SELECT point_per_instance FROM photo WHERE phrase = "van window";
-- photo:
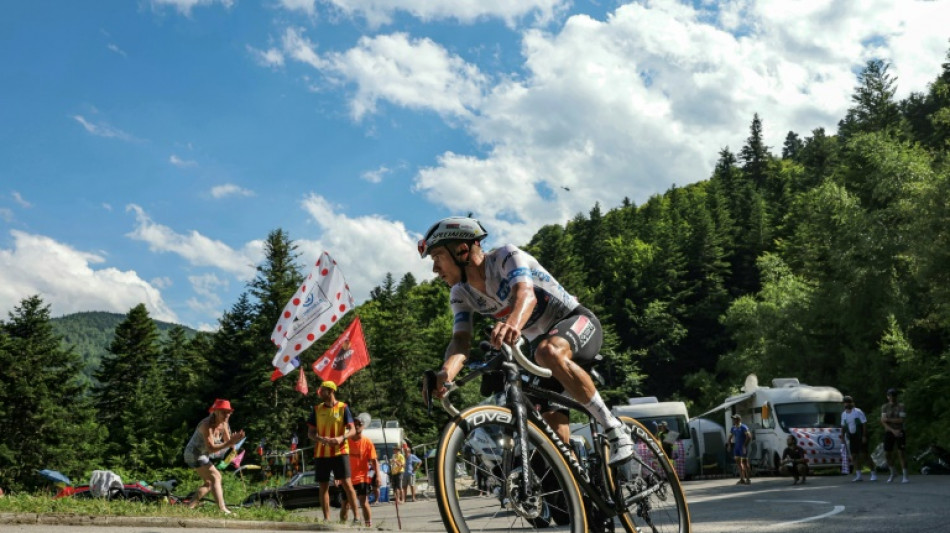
(675, 423)
(809, 414)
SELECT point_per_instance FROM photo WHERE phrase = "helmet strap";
(458, 261)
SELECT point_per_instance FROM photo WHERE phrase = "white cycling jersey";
(505, 267)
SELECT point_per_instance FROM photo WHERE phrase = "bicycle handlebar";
(518, 354)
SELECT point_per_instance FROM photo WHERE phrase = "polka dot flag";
(322, 299)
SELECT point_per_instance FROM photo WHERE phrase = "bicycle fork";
(515, 400)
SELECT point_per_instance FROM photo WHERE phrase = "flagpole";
(386, 446)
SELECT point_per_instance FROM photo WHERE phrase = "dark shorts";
(890, 441)
(363, 489)
(583, 332)
(323, 466)
(855, 446)
(407, 480)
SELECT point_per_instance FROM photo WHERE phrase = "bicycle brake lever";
(428, 387)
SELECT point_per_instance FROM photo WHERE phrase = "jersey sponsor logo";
(583, 328)
(462, 316)
(541, 275)
(504, 289)
(520, 272)
(507, 257)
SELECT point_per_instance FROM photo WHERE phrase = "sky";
(147, 148)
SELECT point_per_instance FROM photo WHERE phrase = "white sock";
(598, 409)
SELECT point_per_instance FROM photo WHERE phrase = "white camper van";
(650, 412)
(812, 414)
(384, 438)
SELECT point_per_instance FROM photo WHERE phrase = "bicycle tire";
(463, 511)
(663, 508)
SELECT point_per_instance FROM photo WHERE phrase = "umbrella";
(55, 476)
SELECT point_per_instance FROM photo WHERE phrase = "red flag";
(347, 355)
(302, 383)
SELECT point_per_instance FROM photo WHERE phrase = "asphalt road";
(830, 504)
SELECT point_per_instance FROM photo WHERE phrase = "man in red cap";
(330, 425)
(211, 439)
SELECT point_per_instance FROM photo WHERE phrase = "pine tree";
(755, 155)
(46, 418)
(793, 146)
(132, 397)
(875, 109)
(278, 410)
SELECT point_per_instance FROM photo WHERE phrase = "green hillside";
(89, 334)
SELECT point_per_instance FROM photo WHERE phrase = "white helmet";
(451, 229)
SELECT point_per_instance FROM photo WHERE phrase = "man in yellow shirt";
(330, 425)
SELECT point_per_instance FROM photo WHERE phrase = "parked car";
(301, 491)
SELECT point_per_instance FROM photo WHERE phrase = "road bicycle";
(562, 488)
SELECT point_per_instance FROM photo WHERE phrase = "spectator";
(895, 439)
(793, 460)
(409, 476)
(662, 435)
(211, 439)
(331, 425)
(739, 439)
(398, 467)
(383, 473)
(362, 459)
(854, 429)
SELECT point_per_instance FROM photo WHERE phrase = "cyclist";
(510, 285)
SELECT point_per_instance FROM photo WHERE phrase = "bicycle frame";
(517, 394)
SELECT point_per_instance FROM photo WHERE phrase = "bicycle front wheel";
(477, 492)
(649, 486)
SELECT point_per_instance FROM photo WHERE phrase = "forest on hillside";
(90, 333)
(827, 259)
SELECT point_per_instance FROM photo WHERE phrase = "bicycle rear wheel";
(480, 439)
(650, 487)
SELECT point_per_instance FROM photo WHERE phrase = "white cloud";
(181, 163)
(195, 248)
(103, 130)
(357, 244)
(306, 6)
(18, 198)
(375, 176)
(630, 105)
(413, 73)
(116, 49)
(229, 189)
(207, 286)
(66, 280)
(272, 57)
(6, 214)
(379, 12)
(162, 282)
(185, 6)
